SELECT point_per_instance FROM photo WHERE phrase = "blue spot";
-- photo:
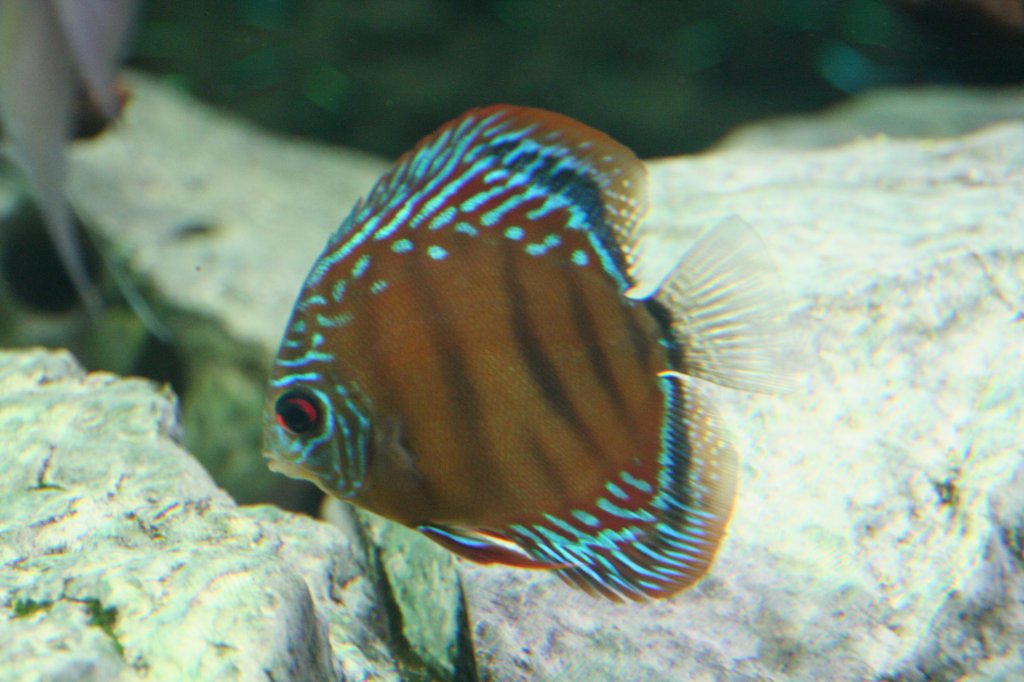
(402, 246)
(310, 356)
(551, 203)
(588, 519)
(378, 286)
(331, 321)
(639, 484)
(480, 198)
(495, 175)
(311, 301)
(324, 266)
(443, 218)
(437, 252)
(632, 514)
(494, 216)
(289, 379)
(514, 233)
(466, 228)
(616, 491)
(540, 248)
(360, 267)
(580, 257)
(338, 290)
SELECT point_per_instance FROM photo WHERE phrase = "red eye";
(298, 412)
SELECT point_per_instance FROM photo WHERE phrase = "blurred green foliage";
(665, 77)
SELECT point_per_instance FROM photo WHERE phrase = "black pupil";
(297, 412)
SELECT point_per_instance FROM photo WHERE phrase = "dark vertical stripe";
(468, 435)
(586, 329)
(382, 381)
(639, 338)
(378, 373)
(542, 371)
(663, 317)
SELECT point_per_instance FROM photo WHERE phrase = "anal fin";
(654, 533)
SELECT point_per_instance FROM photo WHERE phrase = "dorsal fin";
(557, 156)
(618, 173)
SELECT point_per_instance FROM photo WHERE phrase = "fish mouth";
(291, 469)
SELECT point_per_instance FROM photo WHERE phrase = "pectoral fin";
(728, 309)
(482, 546)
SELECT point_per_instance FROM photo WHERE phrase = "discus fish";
(472, 356)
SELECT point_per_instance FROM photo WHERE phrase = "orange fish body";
(471, 356)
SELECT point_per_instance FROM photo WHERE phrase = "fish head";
(317, 425)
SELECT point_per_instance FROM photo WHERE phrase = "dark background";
(664, 77)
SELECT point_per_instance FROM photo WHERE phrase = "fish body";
(472, 356)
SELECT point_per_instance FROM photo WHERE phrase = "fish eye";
(298, 412)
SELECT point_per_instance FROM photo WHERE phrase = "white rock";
(120, 559)
(877, 532)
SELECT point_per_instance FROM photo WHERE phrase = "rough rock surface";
(878, 527)
(120, 558)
